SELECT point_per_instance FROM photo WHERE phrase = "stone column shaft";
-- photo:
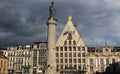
(51, 56)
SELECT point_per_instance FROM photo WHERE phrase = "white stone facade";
(19, 58)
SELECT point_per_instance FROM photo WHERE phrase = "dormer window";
(43, 46)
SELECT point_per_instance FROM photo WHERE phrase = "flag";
(65, 33)
(74, 32)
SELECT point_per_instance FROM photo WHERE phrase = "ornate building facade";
(38, 57)
(19, 59)
(3, 63)
(98, 60)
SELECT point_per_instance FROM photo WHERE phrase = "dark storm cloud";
(24, 21)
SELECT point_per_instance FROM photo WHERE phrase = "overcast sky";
(24, 21)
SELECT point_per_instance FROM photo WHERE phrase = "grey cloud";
(24, 21)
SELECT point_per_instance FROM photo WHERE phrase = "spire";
(106, 43)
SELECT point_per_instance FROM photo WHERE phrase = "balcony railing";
(18, 63)
(26, 66)
(23, 55)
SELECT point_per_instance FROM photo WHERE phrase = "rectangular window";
(70, 60)
(70, 48)
(74, 48)
(83, 48)
(57, 66)
(70, 66)
(57, 55)
(79, 66)
(83, 54)
(113, 60)
(79, 60)
(65, 54)
(65, 48)
(34, 64)
(84, 67)
(74, 54)
(102, 69)
(91, 68)
(57, 49)
(34, 70)
(91, 61)
(35, 55)
(75, 66)
(57, 60)
(61, 66)
(74, 60)
(70, 42)
(66, 66)
(61, 54)
(65, 60)
(61, 60)
(78, 48)
(83, 60)
(61, 48)
(101, 61)
(107, 61)
(78, 54)
(70, 54)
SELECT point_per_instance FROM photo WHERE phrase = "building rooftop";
(39, 42)
(2, 55)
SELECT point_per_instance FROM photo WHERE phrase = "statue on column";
(52, 11)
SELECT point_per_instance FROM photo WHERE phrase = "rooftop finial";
(69, 18)
(106, 44)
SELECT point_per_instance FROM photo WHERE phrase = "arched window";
(74, 43)
(65, 43)
(69, 36)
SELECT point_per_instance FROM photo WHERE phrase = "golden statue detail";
(69, 18)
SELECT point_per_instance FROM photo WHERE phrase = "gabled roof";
(70, 33)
